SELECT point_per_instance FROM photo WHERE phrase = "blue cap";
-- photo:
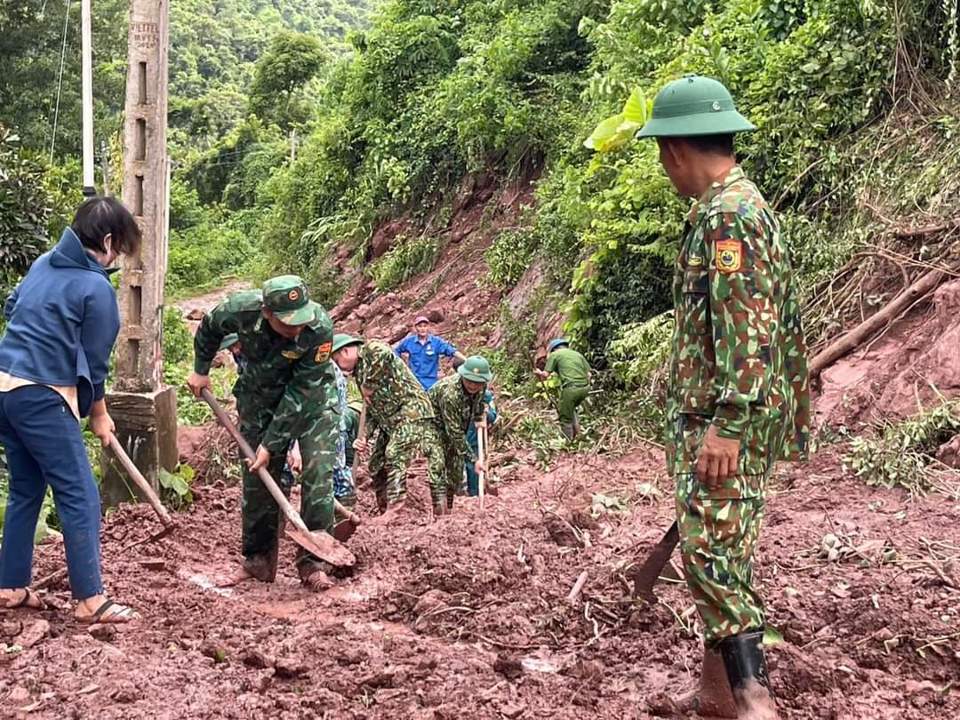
(557, 342)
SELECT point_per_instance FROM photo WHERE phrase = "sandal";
(121, 614)
(30, 600)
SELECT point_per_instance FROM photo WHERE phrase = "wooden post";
(143, 409)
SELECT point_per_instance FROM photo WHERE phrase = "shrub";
(408, 257)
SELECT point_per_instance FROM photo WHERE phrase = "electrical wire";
(63, 55)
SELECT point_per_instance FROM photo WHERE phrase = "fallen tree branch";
(863, 332)
(577, 588)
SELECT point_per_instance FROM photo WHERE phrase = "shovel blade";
(645, 577)
(323, 546)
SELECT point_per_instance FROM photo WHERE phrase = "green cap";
(342, 340)
(475, 368)
(692, 106)
(228, 341)
(288, 298)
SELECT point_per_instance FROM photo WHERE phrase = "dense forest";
(297, 127)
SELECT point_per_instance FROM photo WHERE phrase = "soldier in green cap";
(738, 399)
(574, 372)
(399, 412)
(458, 401)
(286, 392)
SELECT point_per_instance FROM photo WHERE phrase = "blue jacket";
(62, 322)
(425, 357)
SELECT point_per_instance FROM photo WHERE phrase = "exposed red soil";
(462, 307)
(468, 617)
(915, 363)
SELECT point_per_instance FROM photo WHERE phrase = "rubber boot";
(715, 698)
(747, 672)
(568, 431)
(315, 574)
(439, 507)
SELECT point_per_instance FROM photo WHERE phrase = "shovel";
(482, 456)
(141, 482)
(645, 577)
(320, 544)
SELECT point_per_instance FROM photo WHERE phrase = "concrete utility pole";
(144, 410)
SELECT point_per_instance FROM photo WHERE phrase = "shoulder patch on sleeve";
(729, 255)
(323, 352)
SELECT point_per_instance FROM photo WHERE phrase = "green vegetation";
(903, 453)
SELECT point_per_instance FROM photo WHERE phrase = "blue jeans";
(45, 447)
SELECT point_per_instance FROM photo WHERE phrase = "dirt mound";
(914, 364)
(470, 617)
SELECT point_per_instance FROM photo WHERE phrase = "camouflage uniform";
(738, 362)
(343, 487)
(455, 409)
(286, 392)
(400, 412)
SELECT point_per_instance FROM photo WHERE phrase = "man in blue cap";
(574, 373)
(422, 351)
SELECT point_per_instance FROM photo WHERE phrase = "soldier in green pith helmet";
(738, 399)
(458, 400)
(287, 392)
(399, 413)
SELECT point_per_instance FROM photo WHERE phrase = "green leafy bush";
(408, 257)
(509, 256)
(641, 350)
(902, 455)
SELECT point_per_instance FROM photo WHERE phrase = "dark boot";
(568, 432)
(747, 672)
(264, 565)
(439, 507)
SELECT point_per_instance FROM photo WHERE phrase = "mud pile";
(469, 617)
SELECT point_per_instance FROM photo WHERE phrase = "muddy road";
(470, 618)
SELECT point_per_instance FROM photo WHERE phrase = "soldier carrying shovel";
(287, 392)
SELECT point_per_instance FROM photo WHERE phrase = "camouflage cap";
(289, 300)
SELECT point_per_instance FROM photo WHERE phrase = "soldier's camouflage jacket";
(739, 355)
(455, 409)
(398, 397)
(286, 383)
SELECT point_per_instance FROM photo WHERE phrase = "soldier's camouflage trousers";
(392, 454)
(453, 462)
(261, 514)
(717, 541)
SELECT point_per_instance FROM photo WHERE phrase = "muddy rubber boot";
(747, 672)
(568, 431)
(264, 565)
(450, 496)
(315, 574)
(439, 508)
(715, 697)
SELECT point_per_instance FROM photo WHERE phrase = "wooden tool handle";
(140, 480)
(482, 457)
(292, 515)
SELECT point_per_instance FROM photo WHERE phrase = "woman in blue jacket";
(62, 322)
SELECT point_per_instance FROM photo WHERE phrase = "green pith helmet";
(228, 340)
(288, 298)
(692, 106)
(475, 368)
(342, 340)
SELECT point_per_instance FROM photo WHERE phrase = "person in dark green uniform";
(287, 392)
(574, 373)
